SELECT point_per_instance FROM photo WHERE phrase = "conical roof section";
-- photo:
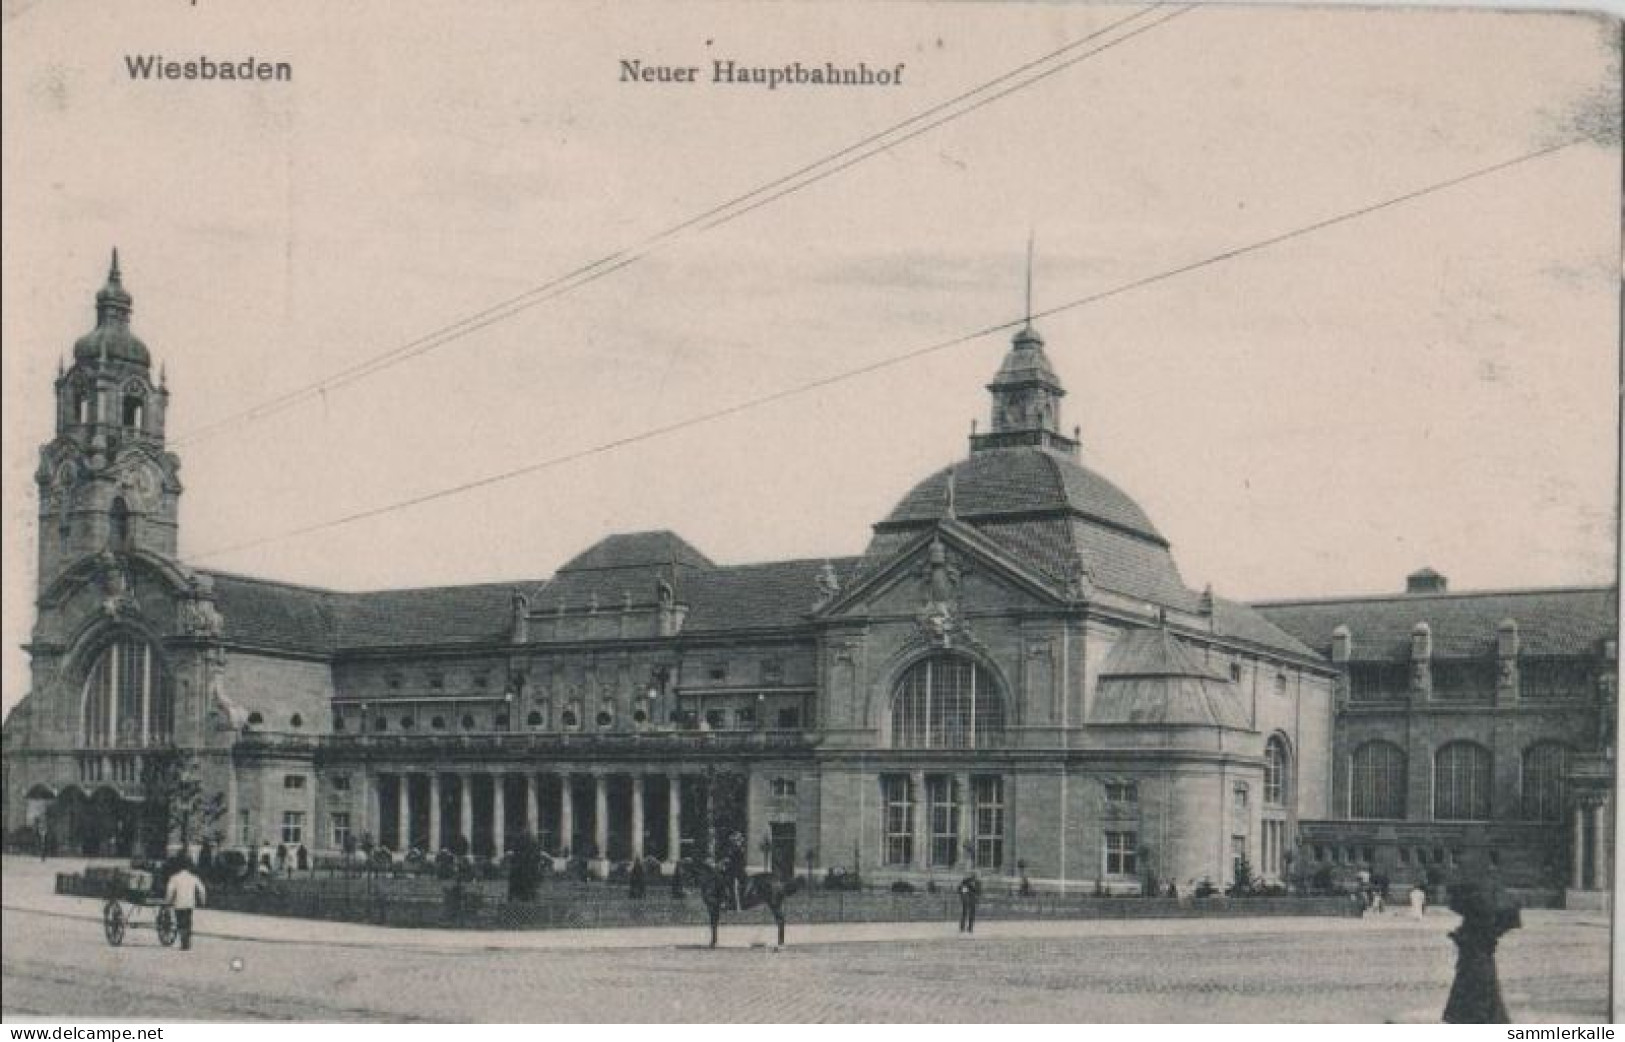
(1152, 679)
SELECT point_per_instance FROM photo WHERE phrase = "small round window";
(438, 723)
(256, 718)
(296, 720)
(640, 717)
(468, 722)
(534, 719)
(604, 719)
(407, 723)
(569, 718)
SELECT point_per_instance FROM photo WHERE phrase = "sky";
(1428, 383)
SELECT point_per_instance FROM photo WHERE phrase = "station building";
(1013, 675)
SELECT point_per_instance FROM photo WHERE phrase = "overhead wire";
(723, 213)
(892, 361)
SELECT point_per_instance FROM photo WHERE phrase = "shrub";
(1321, 881)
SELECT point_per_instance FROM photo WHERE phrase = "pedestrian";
(637, 880)
(970, 888)
(184, 893)
(1419, 900)
(302, 858)
(42, 834)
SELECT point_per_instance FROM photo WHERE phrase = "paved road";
(1251, 970)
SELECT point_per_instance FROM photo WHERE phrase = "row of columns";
(964, 808)
(1590, 820)
(532, 804)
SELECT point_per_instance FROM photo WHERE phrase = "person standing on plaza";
(184, 893)
(970, 888)
(1419, 899)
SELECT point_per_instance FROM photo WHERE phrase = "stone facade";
(1013, 676)
(1474, 727)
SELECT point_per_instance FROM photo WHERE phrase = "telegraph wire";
(718, 215)
(892, 360)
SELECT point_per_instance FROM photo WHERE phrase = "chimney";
(1426, 580)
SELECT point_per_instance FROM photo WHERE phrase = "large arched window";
(1544, 765)
(946, 702)
(1461, 782)
(1276, 772)
(1377, 781)
(127, 699)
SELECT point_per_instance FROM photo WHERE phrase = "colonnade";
(445, 822)
(1590, 822)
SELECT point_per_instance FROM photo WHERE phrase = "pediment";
(950, 566)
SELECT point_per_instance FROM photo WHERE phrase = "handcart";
(133, 904)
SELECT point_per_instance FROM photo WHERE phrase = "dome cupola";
(112, 339)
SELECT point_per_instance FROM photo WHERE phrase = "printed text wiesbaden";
(157, 67)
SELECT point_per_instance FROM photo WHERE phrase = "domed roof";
(1023, 482)
(116, 342)
(112, 337)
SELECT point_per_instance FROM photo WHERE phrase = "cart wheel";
(166, 926)
(113, 923)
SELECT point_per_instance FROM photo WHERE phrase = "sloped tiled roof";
(750, 596)
(282, 616)
(431, 615)
(638, 550)
(1572, 621)
(1016, 481)
(267, 614)
(1150, 678)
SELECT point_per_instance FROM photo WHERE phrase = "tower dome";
(1023, 487)
(112, 339)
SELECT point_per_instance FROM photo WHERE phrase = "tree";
(175, 804)
(1244, 876)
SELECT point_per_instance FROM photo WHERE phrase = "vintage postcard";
(716, 512)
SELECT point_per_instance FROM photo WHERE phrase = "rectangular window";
(942, 797)
(1554, 679)
(341, 830)
(772, 671)
(988, 794)
(897, 798)
(1238, 854)
(784, 786)
(789, 718)
(1379, 682)
(1120, 857)
(1122, 796)
(293, 781)
(293, 826)
(745, 718)
(341, 783)
(244, 834)
(1240, 800)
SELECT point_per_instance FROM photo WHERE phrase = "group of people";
(1373, 895)
(287, 861)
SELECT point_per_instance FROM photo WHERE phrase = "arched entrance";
(103, 824)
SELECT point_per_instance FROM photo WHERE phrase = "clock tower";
(106, 482)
